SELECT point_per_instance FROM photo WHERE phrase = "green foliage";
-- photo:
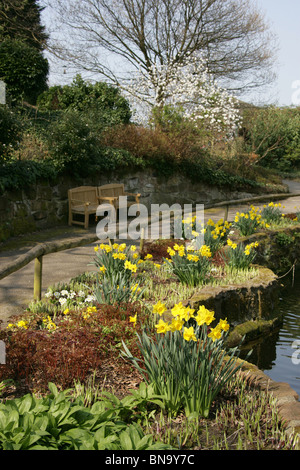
(56, 422)
(99, 99)
(15, 174)
(274, 135)
(74, 142)
(10, 132)
(24, 70)
(20, 20)
(238, 256)
(283, 239)
(191, 268)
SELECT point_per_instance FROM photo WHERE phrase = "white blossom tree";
(187, 87)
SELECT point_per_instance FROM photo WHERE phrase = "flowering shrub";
(185, 359)
(190, 90)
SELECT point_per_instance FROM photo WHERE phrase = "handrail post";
(142, 239)
(37, 289)
(226, 212)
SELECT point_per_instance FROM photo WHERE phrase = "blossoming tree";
(188, 88)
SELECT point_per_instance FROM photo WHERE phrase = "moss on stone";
(252, 330)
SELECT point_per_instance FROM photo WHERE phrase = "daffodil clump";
(189, 226)
(271, 213)
(114, 258)
(216, 233)
(249, 222)
(117, 264)
(182, 316)
(190, 265)
(239, 256)
(185, 359)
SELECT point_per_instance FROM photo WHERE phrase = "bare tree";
(109, 37)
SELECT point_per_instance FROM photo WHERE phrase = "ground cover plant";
(92, 324)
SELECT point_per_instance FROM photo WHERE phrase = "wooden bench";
(111, 192)
(83, 201)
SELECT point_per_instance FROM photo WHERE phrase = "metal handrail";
(42, 249)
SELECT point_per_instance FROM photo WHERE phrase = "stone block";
(44, 192)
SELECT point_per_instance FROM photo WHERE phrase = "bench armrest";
(108, 198)
(136, 195)
(78, 201)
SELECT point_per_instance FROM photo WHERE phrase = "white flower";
(62, 301)
(64, 293)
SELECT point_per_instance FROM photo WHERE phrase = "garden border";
(286, 398)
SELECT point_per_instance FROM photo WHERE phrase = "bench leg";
(86, 221)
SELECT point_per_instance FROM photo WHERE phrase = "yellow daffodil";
(162, 327)
(223, 325)
(215, 333)
(204, 316)
(159, 308)
(133, 319)
(130, 266)
(189, 334)
(176, 324)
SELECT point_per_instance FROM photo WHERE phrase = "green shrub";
(17, 174)
(273, 134)
(74, 142)
(105, 99)
(24, 70)
(10, 132)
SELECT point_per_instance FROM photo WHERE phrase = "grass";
(243, 418)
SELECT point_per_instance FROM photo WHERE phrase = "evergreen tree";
(20, 20)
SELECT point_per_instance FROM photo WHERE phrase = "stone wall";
(46, 204)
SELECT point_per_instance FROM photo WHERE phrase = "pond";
(278, 355)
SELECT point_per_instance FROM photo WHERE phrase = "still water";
(277, 355)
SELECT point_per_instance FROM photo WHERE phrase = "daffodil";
(223, 325)
(133, 319)
(162, 326)
(176, 324)
(215, 333)
(159, 308)
(204, 316)
(189, 334)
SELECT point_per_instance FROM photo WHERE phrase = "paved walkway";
(16, 290)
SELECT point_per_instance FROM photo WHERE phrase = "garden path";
(16, 290)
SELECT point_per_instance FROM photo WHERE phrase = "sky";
(284, 18)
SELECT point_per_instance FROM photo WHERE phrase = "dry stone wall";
(46, 204)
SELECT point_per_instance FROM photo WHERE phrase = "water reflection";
(274, 354)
